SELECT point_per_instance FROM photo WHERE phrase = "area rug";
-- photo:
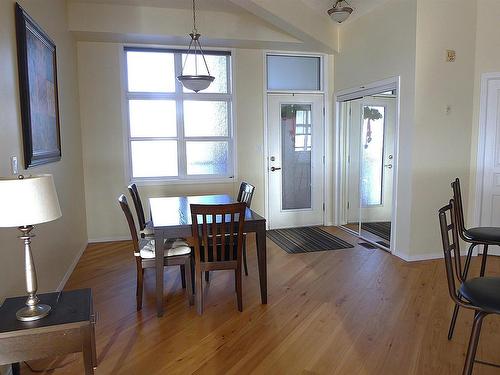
(380, 228)
(306, 240)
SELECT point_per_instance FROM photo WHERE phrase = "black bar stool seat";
(483, 292)
(483, 235)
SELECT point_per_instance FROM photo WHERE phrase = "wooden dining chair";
(145, 226)
(176, 253)
(218, 238)
(481, 294)
(475, 236)
(245, 195)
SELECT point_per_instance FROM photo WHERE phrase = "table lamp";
(24, 202)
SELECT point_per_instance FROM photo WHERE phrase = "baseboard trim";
(420, 257)
(109, 239)
(71, 268)
(429, 256)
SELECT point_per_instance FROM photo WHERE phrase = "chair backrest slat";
(231, 233)
(130, 220)
(457, 198)
(245, 193)
(214, 230)
(134, 193)
(213, 218)
(223, 237)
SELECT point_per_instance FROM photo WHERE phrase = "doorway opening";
(367, 163)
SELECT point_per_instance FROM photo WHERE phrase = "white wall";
(441, 140)
(103, 126)
(57, 244)
(374, 47)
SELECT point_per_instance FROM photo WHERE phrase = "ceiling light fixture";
(338, 12)
(196, 82)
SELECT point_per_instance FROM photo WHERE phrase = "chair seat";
(171, 249)
(486, 234)
(483, 292)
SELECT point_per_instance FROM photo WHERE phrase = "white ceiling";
(321, 6)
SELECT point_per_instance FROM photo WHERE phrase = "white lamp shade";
(28, 201)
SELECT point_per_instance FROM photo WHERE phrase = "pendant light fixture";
(196, 82)
(339, 13)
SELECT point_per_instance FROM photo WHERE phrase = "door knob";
(388, 166)
(275, 169)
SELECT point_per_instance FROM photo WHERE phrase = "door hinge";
(324, 111)
(323, 206)
(323, 159)
(348, 205)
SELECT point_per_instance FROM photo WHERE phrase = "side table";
(69, 328)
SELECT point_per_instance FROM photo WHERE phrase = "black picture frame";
(37, 65)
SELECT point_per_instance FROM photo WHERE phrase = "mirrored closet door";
(367, 169)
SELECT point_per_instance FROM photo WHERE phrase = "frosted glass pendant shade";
(196, 82)
(339, 13)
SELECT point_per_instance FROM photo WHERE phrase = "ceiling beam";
(297, 19)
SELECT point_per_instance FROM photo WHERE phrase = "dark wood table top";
(175, 211)
(70, 306)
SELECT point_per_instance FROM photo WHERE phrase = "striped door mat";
(306, 240)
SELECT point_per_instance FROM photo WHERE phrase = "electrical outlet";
(14, 168)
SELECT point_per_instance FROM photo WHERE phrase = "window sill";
(197, 181)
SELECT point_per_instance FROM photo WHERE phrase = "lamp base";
(30, 313)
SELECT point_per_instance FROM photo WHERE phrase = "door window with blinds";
(174, 133)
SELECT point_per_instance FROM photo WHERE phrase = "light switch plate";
(14, 167)
(451, 55)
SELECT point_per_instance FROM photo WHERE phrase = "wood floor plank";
(354, 311)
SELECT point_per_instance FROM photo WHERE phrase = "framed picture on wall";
(36, 54)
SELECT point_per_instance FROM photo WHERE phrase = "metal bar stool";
(475, 236)
(481, 294)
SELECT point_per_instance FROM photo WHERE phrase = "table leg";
(159, 272)
(87, 350)
(260, 235)
(94, 349)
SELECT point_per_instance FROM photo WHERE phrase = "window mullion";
(179, 104)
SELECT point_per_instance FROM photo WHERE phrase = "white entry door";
(295, 164)
(490, 207)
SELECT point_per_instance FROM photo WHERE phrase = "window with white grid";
(174, 133)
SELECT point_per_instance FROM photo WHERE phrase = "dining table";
(171, 217)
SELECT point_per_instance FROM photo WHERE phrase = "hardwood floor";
(354, 311)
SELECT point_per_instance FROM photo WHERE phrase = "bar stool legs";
(474, 340)
(483, 261)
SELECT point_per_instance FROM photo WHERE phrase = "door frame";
(325, 62)
(481, 150)
(372, 88)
